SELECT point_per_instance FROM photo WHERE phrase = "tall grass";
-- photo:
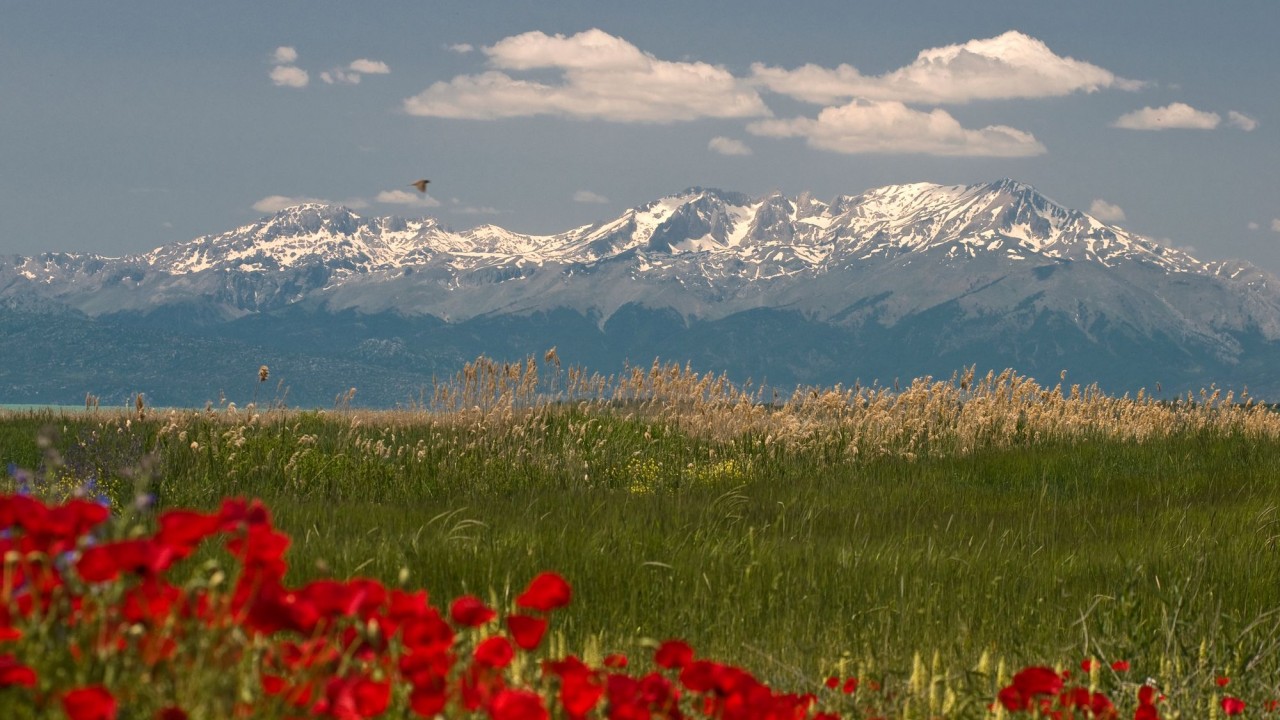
(839, 530)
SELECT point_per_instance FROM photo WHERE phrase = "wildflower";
(470, 611)
(526, 630)
(548, 591)
(93, 702)
(1232, 705)
(1120, 666)
(1029, 684)
(1221, 680)
(495, 652)
(518, 705)
(673, 654)
(13, 673)
(615, 660)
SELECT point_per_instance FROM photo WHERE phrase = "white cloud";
(1012, 65)
(1253, 226)
(462, 48)
(289, 76)
(586, 196)
(1275, 225)
(276, 203)
(1105, 211)
(601, 77)
(1173, 116)
(369, 67)
(404, 197)
(284, 55)
(340, 77)
(1242, 121)
(728, 146)
(892, 127)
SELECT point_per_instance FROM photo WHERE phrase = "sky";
(125, 126)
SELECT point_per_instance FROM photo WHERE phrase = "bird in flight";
(421, 185)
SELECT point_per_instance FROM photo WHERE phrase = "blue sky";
(129, 125)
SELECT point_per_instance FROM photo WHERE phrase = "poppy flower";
(673, 654)
(494, 652)
(850, 686)
(615, 660)
(518, 705)
(1086, 664)
(1222, 680)
(546, 592)
(89, 703)
(1232, 705)
(1120, 665)
(13, 672)
(471, 611)
(1027, 684)
(832, 683)
(526, 630)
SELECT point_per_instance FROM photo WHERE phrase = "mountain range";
(896, 282)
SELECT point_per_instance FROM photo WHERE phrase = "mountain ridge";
(993, 272)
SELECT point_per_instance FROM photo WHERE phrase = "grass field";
(962, 529)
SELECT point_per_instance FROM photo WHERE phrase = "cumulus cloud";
(1012, 65)
(1242, 121)
(586, 196)
(340, 77)
(462, 48)
(351, 74)
(369, 67)
(1172, 116)
(1105, 211)
(892, 127)
(601, 77)
(289, 76)
(276, 203)
(728, 146)
(285, 55)
(404, 197)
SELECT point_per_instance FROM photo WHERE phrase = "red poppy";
(673, 654)
(355, 698)
(850, 686)
(89, 703)
(427, 702)
(1222, 680)
(471, 611)
(615, 660)
(13, 672)
(494, 652)
(1146, 712)
(1120, 665)
(1086, 664)
(1028, 684)
(832, 683)
(526, 630)
(183, 530)
(518, 705)
(1232, 706)
(546, 592)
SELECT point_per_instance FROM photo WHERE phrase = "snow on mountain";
(696, 250)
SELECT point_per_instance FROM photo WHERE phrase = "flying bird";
(421, 185)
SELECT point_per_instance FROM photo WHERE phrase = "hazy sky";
(129, 125)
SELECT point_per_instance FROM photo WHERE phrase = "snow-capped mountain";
(988, 273)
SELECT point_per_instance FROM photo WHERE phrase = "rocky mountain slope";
(895, 282)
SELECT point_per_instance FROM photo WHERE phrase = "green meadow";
(975, 527)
